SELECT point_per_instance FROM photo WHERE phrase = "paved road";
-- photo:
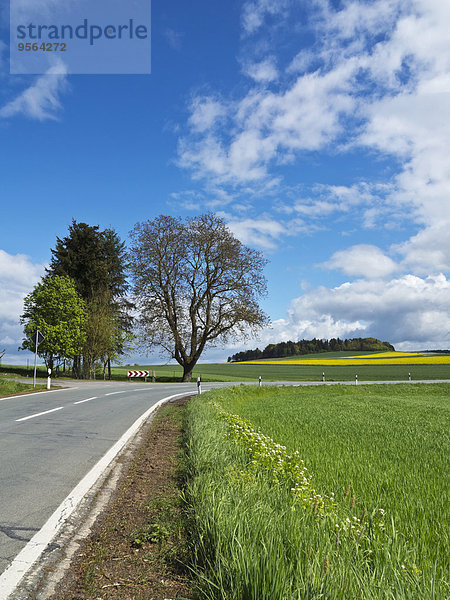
(43, 456)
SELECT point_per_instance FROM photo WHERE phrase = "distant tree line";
(285, 349)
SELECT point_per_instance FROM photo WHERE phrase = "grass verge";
(266, 526)
(9, 388)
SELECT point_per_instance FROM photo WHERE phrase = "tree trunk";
(187, 373)
(109, 369)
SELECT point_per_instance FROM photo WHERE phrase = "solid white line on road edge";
(26, 558)
(39, 414)
(112, 393)
(87, 400)
(25, 395)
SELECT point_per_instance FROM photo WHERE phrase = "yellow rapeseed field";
(397, 358)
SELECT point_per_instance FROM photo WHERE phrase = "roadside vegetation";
(330, 493)
(8, 388)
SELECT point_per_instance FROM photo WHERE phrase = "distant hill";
(284, 349)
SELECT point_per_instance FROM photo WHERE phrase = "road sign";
(138, 373)
(38, 338)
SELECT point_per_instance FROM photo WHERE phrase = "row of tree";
(285, 349)
(193, 285)
(80, 306)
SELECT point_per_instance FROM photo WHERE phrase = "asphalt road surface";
(49, 441)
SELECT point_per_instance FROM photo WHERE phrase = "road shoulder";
(130, 542)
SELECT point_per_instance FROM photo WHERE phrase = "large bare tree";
(195, 285)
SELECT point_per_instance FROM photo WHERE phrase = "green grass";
(8, 388)
(388, 443)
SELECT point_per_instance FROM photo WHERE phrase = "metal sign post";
(37, 339)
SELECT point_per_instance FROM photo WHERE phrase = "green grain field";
(268, 372)
(383, 451)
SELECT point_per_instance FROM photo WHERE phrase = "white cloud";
(255, 12)
(429, 250)
(262, 72)
(262, 232)
(18, 276)
(266, 127)
(206, 112)
(362, 260)
(41, 100)
(381, 84)
(410, 312)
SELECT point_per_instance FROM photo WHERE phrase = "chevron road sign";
(138, 374)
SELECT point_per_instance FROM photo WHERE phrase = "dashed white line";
(87, 400)
(112, 393)
(39, 414)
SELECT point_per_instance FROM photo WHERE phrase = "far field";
(368, 367)
(336, 366)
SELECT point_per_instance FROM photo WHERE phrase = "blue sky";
(320, 130)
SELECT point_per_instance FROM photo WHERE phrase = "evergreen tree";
(96, 261)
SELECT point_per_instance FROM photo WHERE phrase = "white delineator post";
(199, 385)
(260, 381)
(356, 379)
(49, 380)
(323, 375)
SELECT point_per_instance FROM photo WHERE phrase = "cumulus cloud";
(411, 312)
(262, 232)
(18, 276)
(41, 100)
(376, 79)
(362, 260)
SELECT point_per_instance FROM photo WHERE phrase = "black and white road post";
(199, 385)
(49, 378)
(356, 379)
(260, 381)
(323, 375)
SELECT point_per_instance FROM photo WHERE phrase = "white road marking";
(39, 414)
(112, 393)
(23, 562)
(35, 393)
(87, 400)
